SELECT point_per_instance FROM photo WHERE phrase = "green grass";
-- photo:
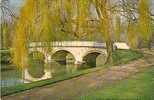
(119, 56)
(138, 87)
(124, 56)
(18, 88)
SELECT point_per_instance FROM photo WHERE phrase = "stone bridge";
(78, 49)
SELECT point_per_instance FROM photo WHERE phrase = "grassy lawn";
(119, 57)
(138, 87)
(124, 56)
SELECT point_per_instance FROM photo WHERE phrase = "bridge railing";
(68, 44)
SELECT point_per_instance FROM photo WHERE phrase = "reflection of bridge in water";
(81, 51)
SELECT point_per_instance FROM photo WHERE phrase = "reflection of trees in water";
(63, 64)
(36, 69)
(70, 66)
(10, 77)
(36, 64)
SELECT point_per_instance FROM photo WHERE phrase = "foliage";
(82, 17)
(4, 34)
(124, 56)
(6, 23)
(105, 17)
(46, 20)
(144, 20)
(27, 29)
(132, 35)
(118, 29)
(20, 42)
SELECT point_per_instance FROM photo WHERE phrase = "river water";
(11, 76)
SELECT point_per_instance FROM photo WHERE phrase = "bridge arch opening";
(63, 57)
(36, 64)
(94, 59)
(62, 62)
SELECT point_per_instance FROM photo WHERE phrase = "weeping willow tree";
(67, 12)
(82, 14)
(4, 35)
(105, 18)
(118, 28)
(34, 24)
(19, 46)
(132, 35)
(6, 23)
(66, 18)
(129, 7)
(144, 21)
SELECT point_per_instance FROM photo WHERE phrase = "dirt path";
(73, 88)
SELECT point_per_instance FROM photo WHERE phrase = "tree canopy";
(49, 20)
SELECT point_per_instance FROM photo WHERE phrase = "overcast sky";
(16, 4)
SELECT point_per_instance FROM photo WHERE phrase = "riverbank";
(119, 57)
(81, 85)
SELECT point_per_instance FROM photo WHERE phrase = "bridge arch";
(62, 56)
(94, 58)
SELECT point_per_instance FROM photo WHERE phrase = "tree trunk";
(149, 44)
(109, 47)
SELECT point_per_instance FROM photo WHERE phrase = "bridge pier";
(78, 64)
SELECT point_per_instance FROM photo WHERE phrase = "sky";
(16, 4)
(152, 6)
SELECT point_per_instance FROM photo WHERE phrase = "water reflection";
(13, 76)
(58, 67)
(10, 77)
(62, 67)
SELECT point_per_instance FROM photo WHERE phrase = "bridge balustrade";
(68, 44)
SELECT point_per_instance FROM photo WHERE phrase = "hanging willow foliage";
(144, 20)
(82, 17)
(20, 51)
(105, 17)
(34, 24)
(45, 22)
(4, 34)
(132, 35)
(118, 29)
(67, 15)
